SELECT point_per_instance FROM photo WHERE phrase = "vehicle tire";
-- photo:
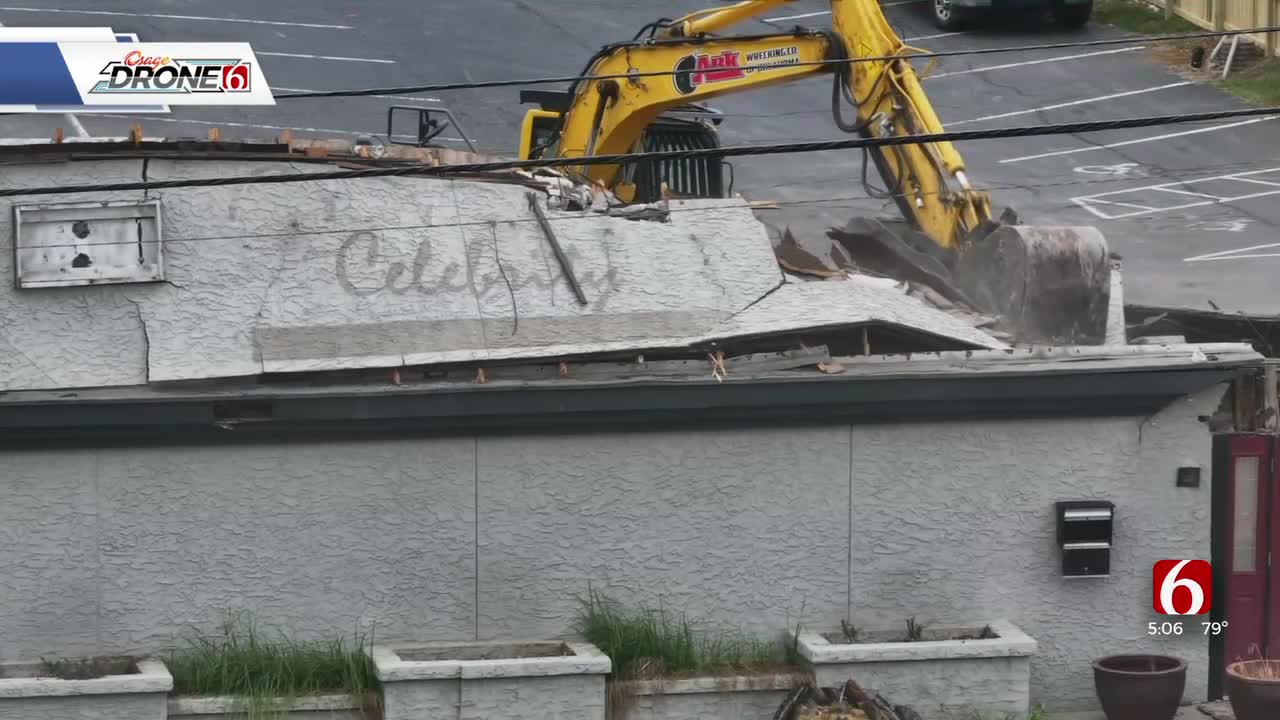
(947, 16)
(1072, 16)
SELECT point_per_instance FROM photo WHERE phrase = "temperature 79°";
(1214, 628)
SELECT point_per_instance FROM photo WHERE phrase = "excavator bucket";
(1043, 285)
(1049, 285)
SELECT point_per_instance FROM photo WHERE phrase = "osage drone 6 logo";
(139, 73)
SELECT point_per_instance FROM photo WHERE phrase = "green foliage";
(1137, 16)
(265, 672)
(652, 643)
(1038, 713)
(1260, 84)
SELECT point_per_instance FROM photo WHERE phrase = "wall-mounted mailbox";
(1084, 536)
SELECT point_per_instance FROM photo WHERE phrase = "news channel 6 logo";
(1182, 587)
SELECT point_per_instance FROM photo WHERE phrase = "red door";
(1252, 528)
(1273, 551)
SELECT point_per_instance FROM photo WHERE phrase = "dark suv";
(952, 14)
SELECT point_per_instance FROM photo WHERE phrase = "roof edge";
(1082, 388)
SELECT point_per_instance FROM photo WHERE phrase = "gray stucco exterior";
(391, 272)
(495, 537)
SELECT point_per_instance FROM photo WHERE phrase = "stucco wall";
(492, 537)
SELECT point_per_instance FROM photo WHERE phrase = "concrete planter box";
(706, 698)
(315, 707)
(935, 677)
(483, 681)
(133, 696)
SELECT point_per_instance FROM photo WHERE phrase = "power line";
(1190, 175)
(625, 159)
(444, 87)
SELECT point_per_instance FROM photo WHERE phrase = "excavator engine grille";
(698, 177)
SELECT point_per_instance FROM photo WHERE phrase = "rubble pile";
(848, 702)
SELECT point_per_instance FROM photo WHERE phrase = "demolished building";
(444, 407)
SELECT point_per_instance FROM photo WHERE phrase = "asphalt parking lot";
(1192, 208)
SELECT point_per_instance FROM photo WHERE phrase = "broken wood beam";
(565, 264)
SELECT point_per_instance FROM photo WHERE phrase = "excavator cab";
(690, 127)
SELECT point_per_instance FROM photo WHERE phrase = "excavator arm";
(1048, 284)
(610, 116)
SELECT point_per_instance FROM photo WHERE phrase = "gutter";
(869, 390)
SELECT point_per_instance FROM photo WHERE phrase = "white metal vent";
(99, 243)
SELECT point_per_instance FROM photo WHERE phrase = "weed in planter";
(260, 672)
(986, 633)
(850, 631)
(791, 655)
(915, 630)
(88, 668)
(650, 643)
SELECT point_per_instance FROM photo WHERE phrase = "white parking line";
(410, 98)
(1088, 202)
(1041, 61)
(175, 17)
(828, 12)
(1244, 253)
(931, 37)
(1059, 106)
(1138, 141)
(325, 57)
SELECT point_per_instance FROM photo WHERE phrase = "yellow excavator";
(1046, 284)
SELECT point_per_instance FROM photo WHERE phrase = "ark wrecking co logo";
(162, 75)
(700, 69)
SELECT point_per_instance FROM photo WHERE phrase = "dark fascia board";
(1143, 311)
(566, 406)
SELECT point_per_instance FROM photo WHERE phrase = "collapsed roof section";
(391, 272)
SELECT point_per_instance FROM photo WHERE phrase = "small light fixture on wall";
(1189, 476)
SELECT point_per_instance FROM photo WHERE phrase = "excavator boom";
(876, 92)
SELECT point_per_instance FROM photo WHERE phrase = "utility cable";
(1169, 178)
(675, 155)
(444, 87)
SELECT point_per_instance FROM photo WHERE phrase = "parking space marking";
(1135, 197)
(1244, 253)
(931, 37)
(325, 57)
(1137, 141)
(1188, 192)
(1059, 106)
(1142, 208)
(820, 13)
(176, 17)
(411, 98)
(1041, 61)
(1256, 181)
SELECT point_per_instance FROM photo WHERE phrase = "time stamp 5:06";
(1175, 627)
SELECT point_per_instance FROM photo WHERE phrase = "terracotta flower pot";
(1254, 698)
(1139, 687)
